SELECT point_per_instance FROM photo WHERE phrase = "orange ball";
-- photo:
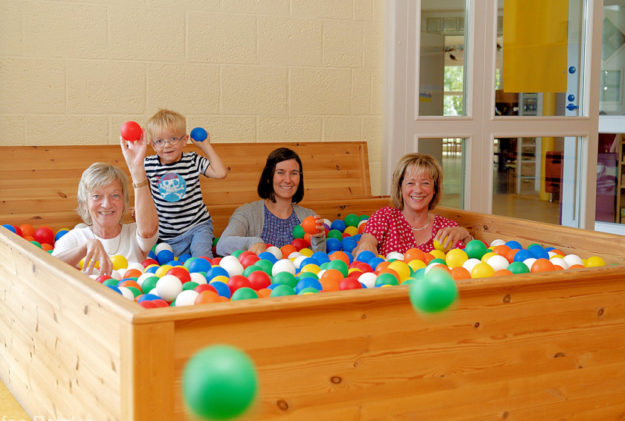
(340, 255)
(310, 225)
(132, 273)
(542, 265)
(130, 283)
(46, 247)
(264, 293)
(502, 250)
(207, 296)
(460, 272)
(27, 230)
(287, 249)
(502, 272)
(414, 254)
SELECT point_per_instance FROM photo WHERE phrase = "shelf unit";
(620, 180)
(525, 164)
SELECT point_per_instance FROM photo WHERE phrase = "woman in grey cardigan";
(271, 219)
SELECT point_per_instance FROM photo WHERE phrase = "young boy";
(174, 177)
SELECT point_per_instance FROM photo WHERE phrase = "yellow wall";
(247, 70)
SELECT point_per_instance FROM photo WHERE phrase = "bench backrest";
(38, 183)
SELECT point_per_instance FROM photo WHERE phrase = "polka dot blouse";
(393, 232)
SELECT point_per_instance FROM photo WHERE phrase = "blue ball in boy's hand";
(199, 134)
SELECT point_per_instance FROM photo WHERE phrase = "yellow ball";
(487, 256)
(119, 262)
(351, 231)
(350, 270)
(416, 264)
(82, 263)
(482, 270)
(440, 246)
(306, 252)
(594, 261)
(162, 270)
(311, 268)
(439, 254)
(402, 269)
(219, 278)
(456, 257)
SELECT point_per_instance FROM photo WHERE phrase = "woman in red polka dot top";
(416, 190)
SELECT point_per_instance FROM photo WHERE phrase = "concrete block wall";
(246, 70)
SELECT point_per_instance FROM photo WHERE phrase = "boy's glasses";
(162, 142)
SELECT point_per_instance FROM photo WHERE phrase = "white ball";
(529, 262)
(275, 251)
(127, 293)
(470, 263)
(327, 222)
(135, 265)
(198, 278)
(573, 259)
(497, 242)
(559, 261)
(186, 298)
(298, 261)
(143, 277)
(168, 287)
(432, 265)
(162, 246)
(395, 255)
(368, 279)
(321, 272)
(232, 265)
(283, 265)
(115, 274)
(294, 255)
(364, 221)
(498, 262)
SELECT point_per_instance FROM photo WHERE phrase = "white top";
(128, 243)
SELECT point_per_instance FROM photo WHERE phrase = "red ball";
(205, 287)
(310, 225)
(238, 281)
(349, 283)
(180, 273)
(300, 243)
(148, 262)
(131, 131)
(44, 235)
(259, 280)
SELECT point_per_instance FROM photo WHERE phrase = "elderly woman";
(102, 203)
(271, 219)
(410, 223)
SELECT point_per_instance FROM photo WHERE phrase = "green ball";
(149, 283)
(309, 290)
(475, 249)
(339, 265)
(219, 382)
(435, 292)
(111, 282)
(282, 290)
(298, 231)
(237, 253)
(244, 293)
(215, 241)
(189, 285)
(284, 278)
(335, 234)
(363, 217)
(264, 265)
(304, 275)
(386, 279)
(135, 291)
(250, 269)
(438, 260)
(518, 267)
(352, 220)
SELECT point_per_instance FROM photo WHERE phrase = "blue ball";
(514, 245)
(60, 234)
(365, 256)
(338, 224)
(374, 262)
(320, 257)
(199, 134)
(183, 257)
(164, 256)
(216, 271)
(148, 297)
(538, 252)
(222, 288)
(175, 263)
(114, 288)
(522, 255)
(348, 244)
(199, 265)
(268, 256)
(152, 255)
(332, 244)
(10, 228)
(308, 261)
(152, 269)
(308, 283)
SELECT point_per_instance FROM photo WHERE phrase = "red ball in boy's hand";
(310, 225)
(131, 131)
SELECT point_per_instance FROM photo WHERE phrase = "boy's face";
(168, 144)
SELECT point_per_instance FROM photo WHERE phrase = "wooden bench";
(38, 184)
(533, 346)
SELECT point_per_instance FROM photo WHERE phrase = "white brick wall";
(247, 70)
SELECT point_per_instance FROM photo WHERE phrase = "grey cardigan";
(246, 225)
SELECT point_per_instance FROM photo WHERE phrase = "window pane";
(611, 178)
(442, 63)
(539, 55)
(450, 154)
(536, 178)
(613, 59)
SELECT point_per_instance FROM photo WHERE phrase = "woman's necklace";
(421, 228)
(119, 243)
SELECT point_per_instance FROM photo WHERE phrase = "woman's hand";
(258, 248)
(367, 243)
(448, 237)
(134, 153)
(321, 231)
(96, 254)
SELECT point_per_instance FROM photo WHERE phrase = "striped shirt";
(177, 194)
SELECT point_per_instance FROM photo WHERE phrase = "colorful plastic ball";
(470, 264)
(559, 261)
(265, 255)
(594, 261)
(244, 293)
(168, 287)
(232, 265)
(402, 269)
(352, 220)
(216, 271)
(522, 255)
(339, 265)
(386, 279)
(350, 283)
(375, 262)
(498, 262)
(308, 283)
(119, 262)
(283, 265)
(27, 230)
(538, 252)
(542, 265)
(259, 280)
(368, 279)
(198, 134)
(197, 264)
(459, 273)
(307, 291)
(221, 288)
(497, 242)
(60, 233)
(529, 262)
(284, 278)
(336, 234)
(219, 382)
(298, 231)
(456, 257)
(433, 293)
(237, 281)
(338, 225)
(482, 270)
(131, 131)
(148, 297)
(515, 245)
(573, 259)
(207, 296)
(333, 244)
(275, 251)
(186, 298)
(44, 235)
(352, 232)
(164, 256)
(264, 265)
(348, 244)
(309, 225)
(475, 249)
(518, 268)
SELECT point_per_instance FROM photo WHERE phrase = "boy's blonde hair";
(421, 163)
(166, 119)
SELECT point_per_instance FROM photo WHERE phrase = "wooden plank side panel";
(63, 333)
(548, 340)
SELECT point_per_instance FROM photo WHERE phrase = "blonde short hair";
(97, 175)
(422, 163)
(166, 119)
